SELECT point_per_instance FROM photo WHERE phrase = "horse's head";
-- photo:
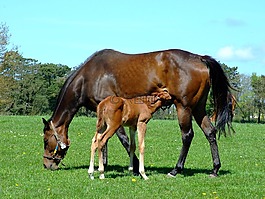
(56, 144)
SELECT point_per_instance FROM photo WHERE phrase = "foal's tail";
(221, 92)
(100, 118)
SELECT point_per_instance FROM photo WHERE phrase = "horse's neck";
(60, 118)
(64, 112)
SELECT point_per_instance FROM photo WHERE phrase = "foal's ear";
(165, 90)
(165, 95)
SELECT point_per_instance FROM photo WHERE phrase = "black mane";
(69, 80)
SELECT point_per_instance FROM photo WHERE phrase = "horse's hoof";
(170, 175)
(213, 175)
(136, 173)
(130, 168)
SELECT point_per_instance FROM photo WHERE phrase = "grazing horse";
(187, 76)
(114, 112)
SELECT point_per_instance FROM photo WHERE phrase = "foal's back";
(126, 112)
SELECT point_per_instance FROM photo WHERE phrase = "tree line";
(28, 87)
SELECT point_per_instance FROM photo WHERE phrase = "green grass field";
(22, 175)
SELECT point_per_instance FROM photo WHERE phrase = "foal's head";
(163, 95)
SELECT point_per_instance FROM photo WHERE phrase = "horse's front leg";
(94, 147)
(141, 128)
(185, 123)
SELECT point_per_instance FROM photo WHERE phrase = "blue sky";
(68, 32)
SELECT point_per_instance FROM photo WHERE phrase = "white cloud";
(230, 53)
(232, 22)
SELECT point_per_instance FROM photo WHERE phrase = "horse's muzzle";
(50, 164)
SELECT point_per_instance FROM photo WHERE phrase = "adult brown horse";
(186, 76)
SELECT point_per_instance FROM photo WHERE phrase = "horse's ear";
(46, 124)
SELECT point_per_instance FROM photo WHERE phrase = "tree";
(53, 77)
(29, 87)
(7, 79)
(4, 40)
(232, 75)
(245, 105)
(21, 82)
(258, 85)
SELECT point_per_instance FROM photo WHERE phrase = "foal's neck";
(152, 102)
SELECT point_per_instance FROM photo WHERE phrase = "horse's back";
(110, 72)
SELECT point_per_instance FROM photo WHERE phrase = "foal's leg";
(92, 156)
(141, 128)
(132, 146)
(210, 132)
(101, 140)
(185, 123)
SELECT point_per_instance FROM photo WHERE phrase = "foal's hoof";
(101, 176)
(144, 176)
(91, 176)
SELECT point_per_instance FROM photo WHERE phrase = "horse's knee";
(187, 137)
(141, 150)
(132, 147)
(211, 136)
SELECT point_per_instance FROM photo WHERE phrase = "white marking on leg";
(141, 133)
(92, 156)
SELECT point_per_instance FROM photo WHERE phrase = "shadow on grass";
(114, 171)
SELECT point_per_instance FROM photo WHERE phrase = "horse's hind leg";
(210, 132)
(185, 118)
(132, 146)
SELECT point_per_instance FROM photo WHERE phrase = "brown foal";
(114, 112)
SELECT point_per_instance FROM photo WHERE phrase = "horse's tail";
(221, 92)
